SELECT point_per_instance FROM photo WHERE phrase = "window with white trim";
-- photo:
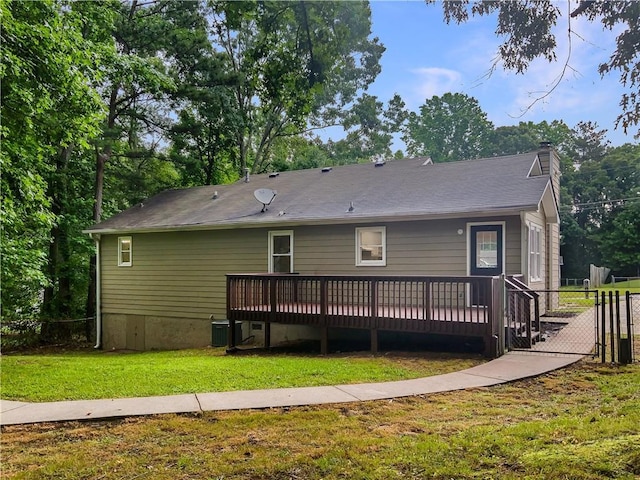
(535, 252)
(281, 251)
(124, 252)
(371, 246)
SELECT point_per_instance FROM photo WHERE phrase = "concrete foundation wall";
(145, 332)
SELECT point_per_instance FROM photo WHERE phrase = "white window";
(124, 252)
(535, 255)
(281, 252)
(371, 246)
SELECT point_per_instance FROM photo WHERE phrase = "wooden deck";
(461, 306)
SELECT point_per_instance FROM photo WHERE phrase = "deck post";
(427, 300)
(374, 340)
(273, 306)
(231, 333)
(373, 312)
(324, 329)
(267, 334)
(324, 340)
(231, 337)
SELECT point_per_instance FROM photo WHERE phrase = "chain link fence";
(582, 322)
(20, 334)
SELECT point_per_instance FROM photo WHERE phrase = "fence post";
(629, 332)
(611, 331)
(618, 322)
(603, 337)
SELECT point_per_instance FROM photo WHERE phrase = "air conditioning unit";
(220, 332)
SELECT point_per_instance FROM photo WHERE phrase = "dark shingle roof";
(399, 189)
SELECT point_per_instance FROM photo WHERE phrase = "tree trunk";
(101, 160)
(57, 295)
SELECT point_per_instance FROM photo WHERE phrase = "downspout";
(96, 238)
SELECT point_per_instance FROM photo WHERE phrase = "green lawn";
(94, 374)
(574, 300)
(632, 285)
(578, 423)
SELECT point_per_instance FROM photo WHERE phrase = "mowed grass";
(574, 300)
(580, 422)
(83, 375)
(633, 286)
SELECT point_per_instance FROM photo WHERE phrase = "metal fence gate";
(583, 322)
(618, 343)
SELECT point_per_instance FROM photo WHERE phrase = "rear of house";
(163, 264)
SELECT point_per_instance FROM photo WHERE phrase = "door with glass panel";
(486, 256)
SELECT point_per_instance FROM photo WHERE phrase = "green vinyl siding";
(182, 274)
(178, 274)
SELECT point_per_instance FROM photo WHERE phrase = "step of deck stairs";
(519, 335)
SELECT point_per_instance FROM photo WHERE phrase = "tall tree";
(589, 143)
(526, 28)
(49, 107)
(299, 152)
(619, 240)
(299, 64)
(155, 41)
(526, 137)
(600, 190)
(203, 144)
(370, 128)
(448, 128)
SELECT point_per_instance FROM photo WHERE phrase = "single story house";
(163, 264)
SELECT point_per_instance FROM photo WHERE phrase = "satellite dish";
(265, 196)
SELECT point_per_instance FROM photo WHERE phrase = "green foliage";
(297, 64)
(48, 105)
(526, 137)
(156, 42)
(370, 127)
(620, 240)
(298, 153)
(203, 141)
(600, 191)
(448, 128)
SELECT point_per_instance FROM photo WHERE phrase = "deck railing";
(523, 313)
(466, 306)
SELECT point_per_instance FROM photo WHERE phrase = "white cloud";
(434, 81)
(426, 57)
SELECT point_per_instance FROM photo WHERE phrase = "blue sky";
(427, 57)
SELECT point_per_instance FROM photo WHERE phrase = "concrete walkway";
(576, 334)
(510, 367)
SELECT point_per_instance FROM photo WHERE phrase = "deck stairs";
(522, 322)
